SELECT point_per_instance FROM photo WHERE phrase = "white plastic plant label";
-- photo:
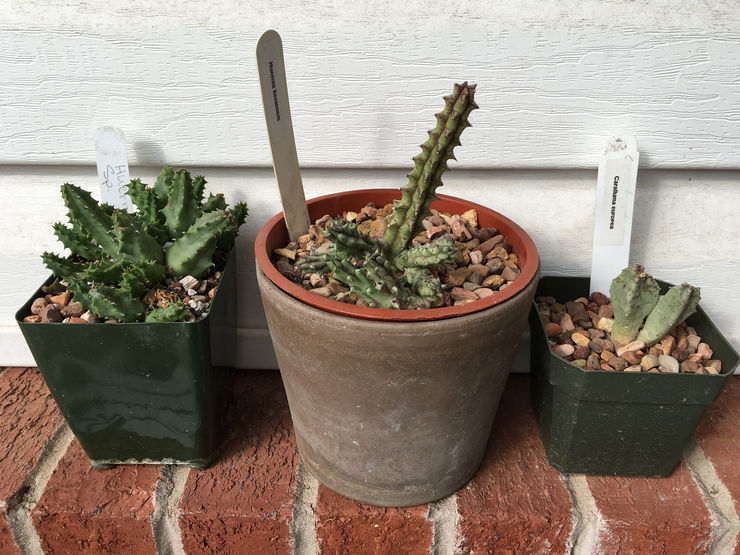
(113, 175)
(615, 200)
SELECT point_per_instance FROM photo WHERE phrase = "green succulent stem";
(388, 272)
(641, 313)
(418, 194)
(118, 256)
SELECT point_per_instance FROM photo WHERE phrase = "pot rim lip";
(538, 334)
(20, 322)
(528, 272)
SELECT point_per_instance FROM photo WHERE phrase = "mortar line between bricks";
(587, 520)
(167, 495)
(725, 520)
(444, 516)
(19, 506)
(303, 524)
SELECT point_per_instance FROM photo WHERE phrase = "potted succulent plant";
(393, 394)
(129, 329)
(619, 383)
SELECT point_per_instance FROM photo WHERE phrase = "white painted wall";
(555, 80)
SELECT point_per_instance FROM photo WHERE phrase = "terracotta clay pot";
(393, 407)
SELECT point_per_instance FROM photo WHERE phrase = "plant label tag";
(273, 83)
(113, 175)
(615, 200)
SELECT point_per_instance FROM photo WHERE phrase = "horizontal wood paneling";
(685, 229)
(365, 79)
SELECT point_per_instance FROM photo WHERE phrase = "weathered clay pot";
(387, 411)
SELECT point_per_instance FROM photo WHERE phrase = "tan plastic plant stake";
(271, 68)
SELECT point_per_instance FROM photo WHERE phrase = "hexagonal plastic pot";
(142, 392)
(393, 407)
(618, 423)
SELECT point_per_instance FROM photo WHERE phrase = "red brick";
(28, 418)
(7, 542)
(346, 526)
(516, 502)
(244, 503)
(96, 511)
(718, 435)
(651, 515)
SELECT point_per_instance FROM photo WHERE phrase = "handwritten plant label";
(615, 200)
(112, 161)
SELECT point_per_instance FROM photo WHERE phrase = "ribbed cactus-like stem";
(145, 201)
(193, 253)
(171, 313)
(374, 282)
(633, 294)
(112, 302)
(91, 216)
(118, 256)
(641, 313)
(133, 242)
(76, 241)
(437, 253)
(182, 209)
(429, 165)
(426, 286)
(674, 307)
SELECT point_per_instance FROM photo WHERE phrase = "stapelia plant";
(118, 256)
(388, 272)
(641, 313)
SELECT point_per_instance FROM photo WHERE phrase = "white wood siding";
(365, 83)
(556, 79)
(685, 229)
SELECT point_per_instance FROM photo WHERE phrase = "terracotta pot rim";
(520, 240)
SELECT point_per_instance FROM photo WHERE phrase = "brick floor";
(244, 502)
(252, 501)
(718, 435)
(91, 511)
(516, 501)
(28, 419)
(346, 526)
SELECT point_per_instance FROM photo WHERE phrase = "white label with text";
(615, 198)
(112, 161)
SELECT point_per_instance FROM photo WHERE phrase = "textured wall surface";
(365, 78)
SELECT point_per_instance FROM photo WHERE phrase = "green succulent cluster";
(388, 272)
(117, 256)
(641, 313)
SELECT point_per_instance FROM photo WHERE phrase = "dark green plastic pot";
(142, 392)
(617, 423)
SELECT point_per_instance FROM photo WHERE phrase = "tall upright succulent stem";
(418, 194)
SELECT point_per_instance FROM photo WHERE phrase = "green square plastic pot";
(142, 392)
(617, 423)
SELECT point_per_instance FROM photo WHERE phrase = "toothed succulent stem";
(118, 256)
(388, 272)
(192, 254)
(182, 208)
(418, 194)
(437, 253)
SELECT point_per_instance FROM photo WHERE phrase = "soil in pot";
(579, 331)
